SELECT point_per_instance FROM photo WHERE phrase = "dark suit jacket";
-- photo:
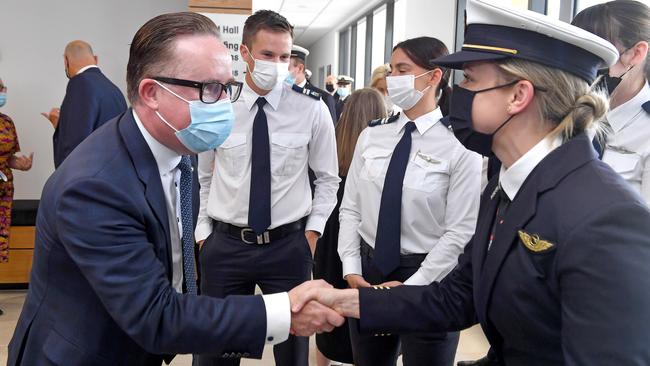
(100, 290)
(90, 100)
(327, 98)
(584, 301)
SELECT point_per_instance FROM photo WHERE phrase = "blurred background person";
(331, 84)
(298, 75)
(363, 105)
(378, 81)
(626, 24)
(410, 203)
(9, 159)
(91, 99)
(343, 90)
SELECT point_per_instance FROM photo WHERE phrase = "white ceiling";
(312, 19)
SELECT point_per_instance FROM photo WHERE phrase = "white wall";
(431, 18)
(324, 52)
(31, 62)
(423, 18)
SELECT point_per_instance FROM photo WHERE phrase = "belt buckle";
(261, 239)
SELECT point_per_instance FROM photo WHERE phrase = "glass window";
(378, 37)
(553, 8)
(584, 4)
(361, 54)
(399, 22)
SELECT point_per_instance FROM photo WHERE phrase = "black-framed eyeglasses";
(209, 92)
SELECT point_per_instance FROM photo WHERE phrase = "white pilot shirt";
(301, 136)
(627, 149)
(440, 196)
(278, 312)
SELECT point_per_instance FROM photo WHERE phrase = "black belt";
(246, 234)
(405, 260)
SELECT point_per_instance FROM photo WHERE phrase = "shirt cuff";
(352, 266)
(278, 317)
(417, 279)
(315, 224)
(203, 230)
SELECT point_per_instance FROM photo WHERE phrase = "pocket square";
(534, 243)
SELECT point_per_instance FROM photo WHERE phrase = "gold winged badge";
(534, 243)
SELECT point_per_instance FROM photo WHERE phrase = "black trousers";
(232, 267)
(430, 349)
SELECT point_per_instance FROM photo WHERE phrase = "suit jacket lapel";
(147, 170)
(560, 162)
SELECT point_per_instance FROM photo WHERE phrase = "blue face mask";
(3, 99)
(210, 124)
(290, 79)
(343, 92)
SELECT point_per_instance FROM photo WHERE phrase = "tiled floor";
(472, 341)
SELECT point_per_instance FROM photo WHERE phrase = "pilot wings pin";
(534, 243)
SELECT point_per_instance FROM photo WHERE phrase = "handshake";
(317, 307)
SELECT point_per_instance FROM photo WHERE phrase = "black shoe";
(485, 361)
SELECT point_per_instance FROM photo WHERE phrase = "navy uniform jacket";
(90, 101)
(583, 301)
(327, 98)
(100, 289)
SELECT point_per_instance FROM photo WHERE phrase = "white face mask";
(401, 90)
(266, 75)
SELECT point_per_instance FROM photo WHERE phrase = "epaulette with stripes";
(306, 91)
(383, 121)
(446, 121)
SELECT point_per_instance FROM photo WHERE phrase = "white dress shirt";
(440, 196)
(511, 179)
(627, 149)
(278, 308)
(86, 68)
(301, 136)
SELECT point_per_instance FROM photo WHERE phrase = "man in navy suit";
(90, 101)
(112, 281)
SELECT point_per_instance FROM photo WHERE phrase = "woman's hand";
(21, 162)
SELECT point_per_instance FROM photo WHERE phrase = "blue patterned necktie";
(259, 202)
(189, 271)
(387, 240)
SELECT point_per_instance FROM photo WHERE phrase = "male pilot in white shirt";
(258, 224)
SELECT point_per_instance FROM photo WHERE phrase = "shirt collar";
(624, 113)
(272, 98)
(86, 68)
(423, 123)
(513, 178)
(166, 158)
(302, 85)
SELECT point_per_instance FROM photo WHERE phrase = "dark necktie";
(259, 204)
(189, 271)
(387, 241)
(502, 208)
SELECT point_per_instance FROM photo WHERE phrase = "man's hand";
(356, 281)
(391, 284)
(21, 162)
(312, 238)
(310, 316)
(200, 243)
(53, 116)
(344, 302)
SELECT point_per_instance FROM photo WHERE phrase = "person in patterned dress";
(9, 147)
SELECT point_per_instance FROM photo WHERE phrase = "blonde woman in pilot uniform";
(557, 271)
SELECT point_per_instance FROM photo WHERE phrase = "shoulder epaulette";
(306, 91)
(446, 121)
(383, 121)
(646, 106)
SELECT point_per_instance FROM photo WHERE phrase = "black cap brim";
(456, 60)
